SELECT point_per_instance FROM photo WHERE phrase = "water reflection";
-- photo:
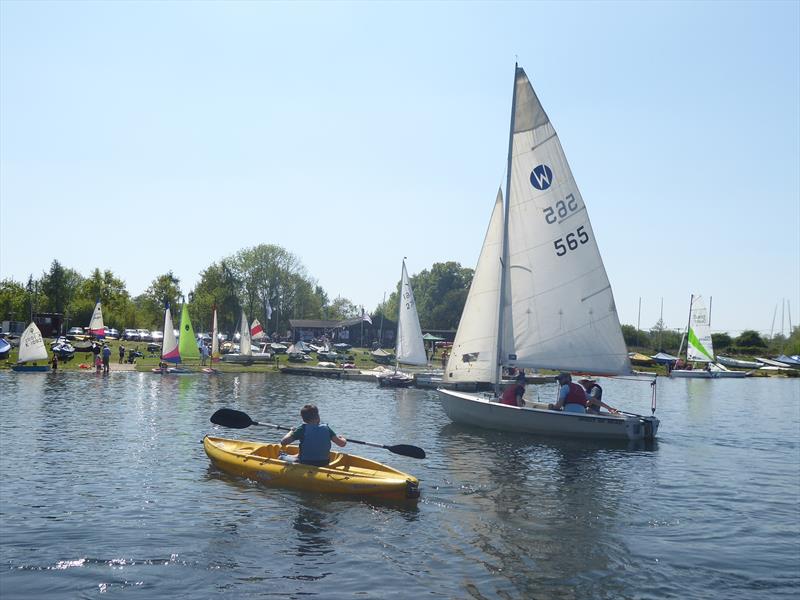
(313, 531)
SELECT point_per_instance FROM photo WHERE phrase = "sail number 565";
(571, 241)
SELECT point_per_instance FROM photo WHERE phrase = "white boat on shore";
(540, 296)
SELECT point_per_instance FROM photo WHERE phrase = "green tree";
(721, 341)
(750, 339)
(342, 308)
(110, 291)
(14, 301)
(164, 288)
(60, 285)
(218, 287)
(635, 338)
(440, 294)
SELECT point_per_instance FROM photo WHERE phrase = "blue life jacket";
(315, 445)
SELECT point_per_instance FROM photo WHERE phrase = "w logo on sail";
(541, 177)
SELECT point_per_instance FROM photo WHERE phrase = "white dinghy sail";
(555, 308)
(410, 347)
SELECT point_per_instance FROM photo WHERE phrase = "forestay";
(473, 356)
(559, 310)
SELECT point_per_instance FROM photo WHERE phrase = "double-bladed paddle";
(236, 419)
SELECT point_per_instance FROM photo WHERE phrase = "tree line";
(262, 280)
(268, 279)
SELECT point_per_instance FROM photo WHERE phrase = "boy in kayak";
(315, 438)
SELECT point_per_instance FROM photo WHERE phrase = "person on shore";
(203, 354)
(106, 358)
(121, 354)
(95, 351)
(571, 396)
(594, 397)
(98, 363)
(54, 362)
(513, 394)
(315, 439)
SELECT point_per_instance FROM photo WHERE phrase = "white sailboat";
(410, 348)
(541, 297)
(246, 356)
(700, 348)
(31, 349)
(96, 327)
(214, 339)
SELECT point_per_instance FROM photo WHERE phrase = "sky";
(144, 137)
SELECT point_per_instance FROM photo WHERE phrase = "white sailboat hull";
(702, 374)
(469, 409)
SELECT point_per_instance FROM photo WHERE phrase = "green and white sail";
(187, 342)
(699, 347)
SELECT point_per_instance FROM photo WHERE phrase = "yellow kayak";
(346, 473)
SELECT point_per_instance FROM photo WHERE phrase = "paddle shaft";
(228, 417)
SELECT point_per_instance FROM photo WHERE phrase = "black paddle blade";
(407, 450)
(235, 419)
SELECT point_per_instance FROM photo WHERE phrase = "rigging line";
(577, 210)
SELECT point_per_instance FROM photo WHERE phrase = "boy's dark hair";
(309, 412)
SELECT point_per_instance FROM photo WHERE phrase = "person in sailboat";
(594, 397)
(513, 394)
(315, 439)
(571, 396)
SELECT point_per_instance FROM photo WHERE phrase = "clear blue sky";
(147, 136)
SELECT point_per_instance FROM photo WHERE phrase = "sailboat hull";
(30, 368)
(469, 409)
(702, 374)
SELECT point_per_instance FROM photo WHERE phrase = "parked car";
(157, 336)
(112, 333)
(130, 334)
(76, 333)
(144, 335)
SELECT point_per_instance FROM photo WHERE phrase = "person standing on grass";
(106, 358)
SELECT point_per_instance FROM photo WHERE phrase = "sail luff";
(501, 310)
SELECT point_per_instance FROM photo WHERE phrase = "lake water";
(105, 488)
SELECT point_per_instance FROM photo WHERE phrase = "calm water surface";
(105, 488)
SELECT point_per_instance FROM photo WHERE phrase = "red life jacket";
(510, 394)
(576, 395)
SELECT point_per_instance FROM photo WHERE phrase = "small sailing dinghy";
(96, 327)
(410, 349)
(31, 349)
(540, 296)
(700, 348)
(170, 351)
(246, 356)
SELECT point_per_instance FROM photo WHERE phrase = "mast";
(504, 251)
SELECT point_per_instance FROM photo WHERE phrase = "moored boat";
(347, 474)
(31, 349)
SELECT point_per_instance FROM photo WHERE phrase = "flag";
(269, 310)
(365, 316)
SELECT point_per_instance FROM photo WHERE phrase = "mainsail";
(558, 309)
(187, 341)
(699, 347)
(410, 347)
(256, 330)
(31, 345)
(169, 346)
(474, 353)
(214, 339)
(244, 337)
(96, 326)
